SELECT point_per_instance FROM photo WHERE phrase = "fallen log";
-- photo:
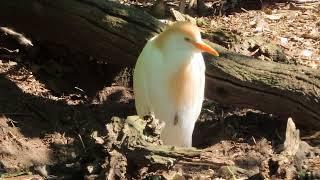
(280, 89)
(128, 142)
(133, 148)
(115, 34)
(106, 30)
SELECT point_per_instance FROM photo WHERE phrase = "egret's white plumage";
(169, 80)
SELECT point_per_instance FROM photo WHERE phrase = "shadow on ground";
(240, 126)
(39, 128)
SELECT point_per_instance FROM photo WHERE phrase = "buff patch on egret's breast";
(182, 84)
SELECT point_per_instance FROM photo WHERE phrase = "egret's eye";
(187, 39)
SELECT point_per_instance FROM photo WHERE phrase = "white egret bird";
(169, 79)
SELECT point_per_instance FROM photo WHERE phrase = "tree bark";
(116, 34)
(128, 142)
(281, 89)
(106, 30)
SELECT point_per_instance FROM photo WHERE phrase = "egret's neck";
(182, 58)
(176, 52)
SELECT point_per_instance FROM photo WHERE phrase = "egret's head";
(183, 37)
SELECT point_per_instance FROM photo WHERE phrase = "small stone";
(73, 155)
(99, 140)
(284, 40)
(12, 63)
(253, 23)
(274, 16)
(90, 169)
(307, 53)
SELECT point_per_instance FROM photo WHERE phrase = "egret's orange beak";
(205, 48)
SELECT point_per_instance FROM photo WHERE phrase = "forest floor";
(52, 112)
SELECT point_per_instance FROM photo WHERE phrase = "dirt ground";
(52, 111)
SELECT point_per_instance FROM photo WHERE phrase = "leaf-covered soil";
(54, 112)
(294, 28)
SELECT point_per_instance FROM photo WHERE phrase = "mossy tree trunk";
(106, 30)
(281, 89)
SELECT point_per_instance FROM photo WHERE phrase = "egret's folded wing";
(146, 64)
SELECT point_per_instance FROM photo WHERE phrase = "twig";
(12, 135)
(208, 110)
(201, 163)
(233, 176)
(177, 15)
(315, 90)
(11, 175)
(243, 9)
(82, 143)
(15, 138)
(254, 52)
(74, 117)
(278, 135)
(22, 40)
(254, 140)
(8, 51)
(313, 136)
(79, 89)
(12, 122)
(304, 1)
(309, 60)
